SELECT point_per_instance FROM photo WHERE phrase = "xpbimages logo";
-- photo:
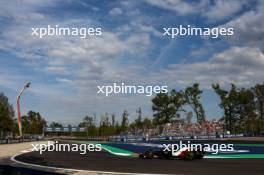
(131, 89)
(81, 32)
(213, 148)
(214, 32)
(62, 147)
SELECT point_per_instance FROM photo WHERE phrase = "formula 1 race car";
(183, 154)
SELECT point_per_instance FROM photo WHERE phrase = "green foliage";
(147, 124)
(240, 108)
(106, 128)
(6, 115)
(193, 97)
(33, 123)
(166, 106)
(124, 123)
(89, 123)
(258, 91)
(55, 125)
(243, 112)
(138, 122)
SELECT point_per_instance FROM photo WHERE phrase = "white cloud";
(239, 65)
(24, 10)
(56, 69)
(181, 7)
(79, 65)
(223, 9)
(248, 28)
(64, 80)
(139, 27)
(212, 11)
(115, 11)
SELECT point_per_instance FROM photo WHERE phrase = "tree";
(55, 125)
(124, 123)
(25, 124)
(105, 120)
(166, 106)
(163, 109)
(178, 101)
(117, 128)
(239, 109)
(193, 96)
(106, 127)
(146, 124)
(138, 121)
(89, 123)
(113, 120)
(246, 111)
(33, 123)
(6, 115)
(228, 103)
(258, 91)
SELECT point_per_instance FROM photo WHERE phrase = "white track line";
(76, 170)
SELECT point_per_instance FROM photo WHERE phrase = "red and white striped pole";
(18, 108)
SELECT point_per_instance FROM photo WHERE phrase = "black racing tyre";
(146, 155)
(188, 156)
(199, 155)
(149, 155)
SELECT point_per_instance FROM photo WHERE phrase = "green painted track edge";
(123, 152)
(111, 149)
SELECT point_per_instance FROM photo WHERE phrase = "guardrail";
(162, 138)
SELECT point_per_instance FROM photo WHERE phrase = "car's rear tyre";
(188, 156)
(146, 155)
(199, 155)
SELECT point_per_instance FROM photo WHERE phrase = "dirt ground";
(8, 150)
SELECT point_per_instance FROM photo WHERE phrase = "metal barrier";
(162, 138)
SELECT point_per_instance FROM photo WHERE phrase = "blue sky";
(64, 71)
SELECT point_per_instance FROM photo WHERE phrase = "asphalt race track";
(104, 161)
